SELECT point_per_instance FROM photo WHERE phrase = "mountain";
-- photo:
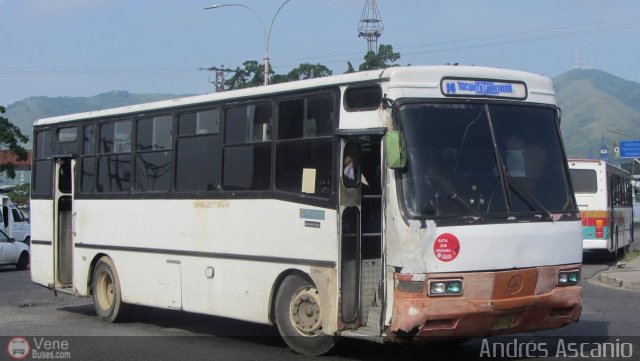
(596, 104)
(23, 113)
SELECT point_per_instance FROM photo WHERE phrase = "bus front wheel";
(299, 317)
(107, 297)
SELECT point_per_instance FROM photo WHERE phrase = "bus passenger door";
(361, 232)
(63, 224)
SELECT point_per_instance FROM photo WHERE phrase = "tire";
(299, 317)
(615, 255)
(23, 262)
(107, 296)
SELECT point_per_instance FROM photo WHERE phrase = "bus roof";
(593, 163)
(539, 88)
(584, 160)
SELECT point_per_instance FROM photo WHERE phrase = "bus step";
(67, 290)
(373, 318)
(364, 333)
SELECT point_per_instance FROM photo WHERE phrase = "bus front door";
(361, 232)
(63, 224)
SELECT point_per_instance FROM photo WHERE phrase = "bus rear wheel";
(299, 317)
(107, 297)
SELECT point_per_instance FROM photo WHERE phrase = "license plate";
(502, 322)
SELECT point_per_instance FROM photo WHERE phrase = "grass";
(631, 255)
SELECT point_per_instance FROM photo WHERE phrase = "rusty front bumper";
(490, 305)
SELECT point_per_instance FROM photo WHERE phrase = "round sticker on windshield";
(446, 247)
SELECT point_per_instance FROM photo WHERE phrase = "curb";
(614, 282)
(623, 275)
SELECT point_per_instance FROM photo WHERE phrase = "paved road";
(27, 309)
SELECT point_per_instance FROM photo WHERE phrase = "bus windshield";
(483, 160)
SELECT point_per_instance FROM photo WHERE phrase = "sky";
(86, 47)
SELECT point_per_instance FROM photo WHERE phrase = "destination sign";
(483, 88)
(630, 149)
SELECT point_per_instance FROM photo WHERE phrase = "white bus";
(392, 205)
(605, 198)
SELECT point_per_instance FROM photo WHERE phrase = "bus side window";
(247, 147)
(198, 151)
(114, 158)
(304, 147)
(42, 164)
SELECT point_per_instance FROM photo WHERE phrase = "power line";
(524, 40)
(624, 24)
(510, 34)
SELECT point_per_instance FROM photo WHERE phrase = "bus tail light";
(599, 228)
(445, 287)
(570, 277)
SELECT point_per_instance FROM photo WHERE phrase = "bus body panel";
(482, 246)
(508, 246)
(171, 261)
(41, 242)
(427, 82)
(230, 227)
(238, 289)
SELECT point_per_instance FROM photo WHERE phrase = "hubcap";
(105, 290)
(305, 312)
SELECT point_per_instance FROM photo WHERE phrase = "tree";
(350, 68)
(308, 71)
(385, 58)
(20, 194)
(252, 75)
(10, 139)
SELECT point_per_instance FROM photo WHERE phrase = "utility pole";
(266, 32)
(218, 83)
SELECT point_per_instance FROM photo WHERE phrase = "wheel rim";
(105, 290)
(305, 312)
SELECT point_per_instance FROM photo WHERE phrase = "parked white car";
(12, 252)
(13, 221)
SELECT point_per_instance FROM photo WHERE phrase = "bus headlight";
(445, 287)
(568, 277)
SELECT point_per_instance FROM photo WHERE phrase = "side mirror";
(559, 115)
(396, 152)
(12, 240)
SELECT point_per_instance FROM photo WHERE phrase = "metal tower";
(370, 26)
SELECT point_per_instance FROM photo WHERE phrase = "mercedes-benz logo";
(515, 284)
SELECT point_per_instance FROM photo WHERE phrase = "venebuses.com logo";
(21, 348)
(18, 348)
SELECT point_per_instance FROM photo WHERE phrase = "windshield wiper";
(527, 196)
(508, 181)
(446, 188)
(455, 197)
